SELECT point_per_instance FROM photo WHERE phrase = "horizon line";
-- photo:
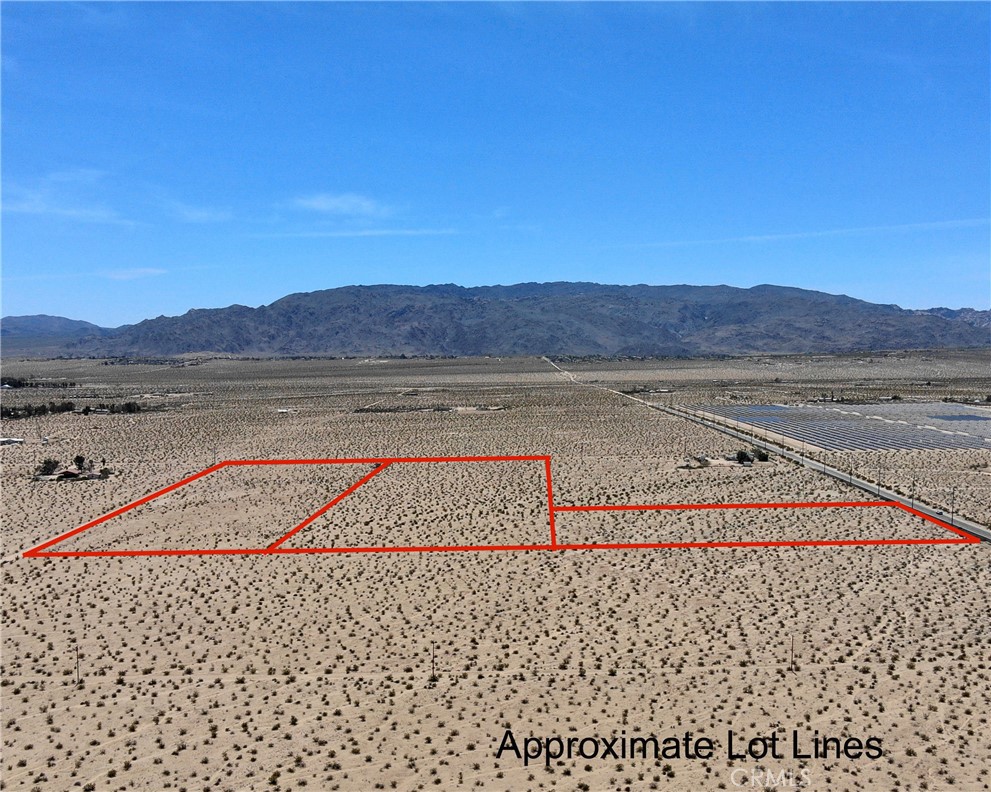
(495, 286)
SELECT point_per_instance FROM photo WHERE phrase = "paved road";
(974, 529)
(982, 532)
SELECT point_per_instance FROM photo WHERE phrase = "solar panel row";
(875, 428)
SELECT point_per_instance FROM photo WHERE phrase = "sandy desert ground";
(405, 670)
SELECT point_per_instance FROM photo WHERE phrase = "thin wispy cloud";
(941, 225)
(132, 274)
(62, 195)
(342, 205)
(39, 205)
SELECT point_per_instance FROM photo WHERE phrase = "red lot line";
(289, 551)
(328, 506)
(482, 548)
(796, 543)
(967, 538)
(392, 460)
(385, 460)
(69, 534)
(550, 500)
(685, 506)
(382, 462)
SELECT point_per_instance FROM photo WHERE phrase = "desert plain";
(404, 670)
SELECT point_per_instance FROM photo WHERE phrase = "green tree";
(47, 467)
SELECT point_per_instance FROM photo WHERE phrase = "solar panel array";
(873, 427)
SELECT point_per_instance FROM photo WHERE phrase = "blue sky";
(162, 157)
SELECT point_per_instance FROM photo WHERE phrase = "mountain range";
(524, 319)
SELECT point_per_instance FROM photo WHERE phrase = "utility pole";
(78, 678)
(953, 497)
(792, 653)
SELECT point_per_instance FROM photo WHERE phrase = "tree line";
(20, 382)
(54, 408)
(81, 463)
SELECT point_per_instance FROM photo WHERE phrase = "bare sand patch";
(403, 670)
(818, 524)
(243, 506)
(439, 504)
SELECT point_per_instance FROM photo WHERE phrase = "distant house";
(72, 474)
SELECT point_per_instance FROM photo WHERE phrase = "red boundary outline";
(381, 463)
